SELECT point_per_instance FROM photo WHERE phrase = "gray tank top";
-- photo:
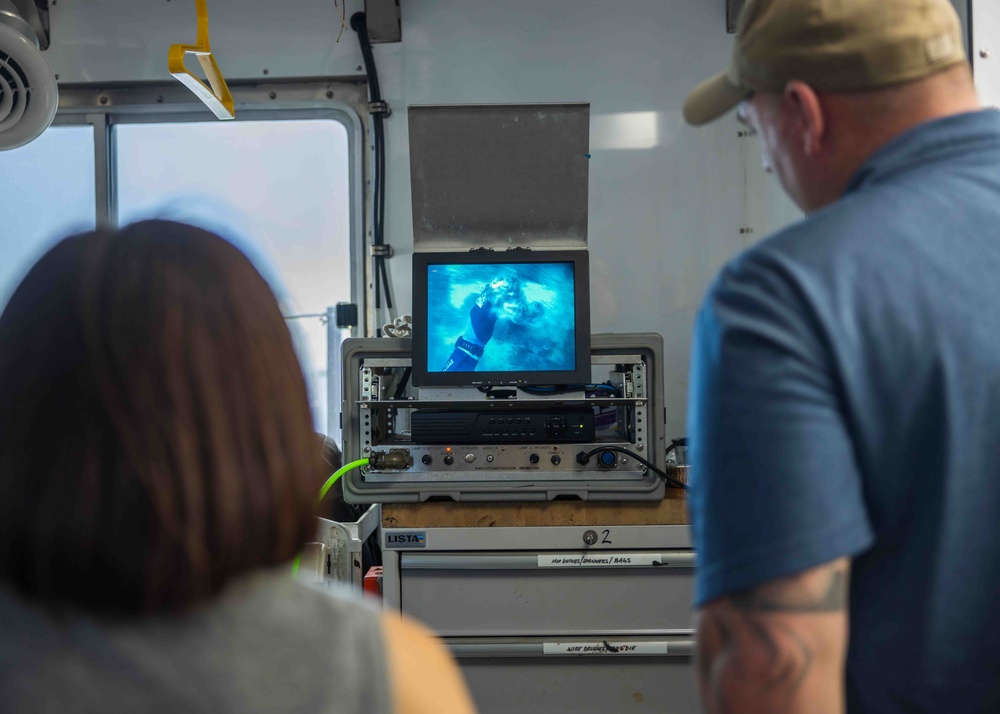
(268, 644)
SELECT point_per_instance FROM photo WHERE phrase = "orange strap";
(216, 97)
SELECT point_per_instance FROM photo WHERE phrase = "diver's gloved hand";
(470, 346)
(483, 317)
(482, 322)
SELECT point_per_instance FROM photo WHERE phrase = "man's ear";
(804, 102)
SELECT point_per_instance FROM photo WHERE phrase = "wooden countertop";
(672, 510)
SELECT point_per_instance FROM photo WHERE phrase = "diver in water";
(503, 297)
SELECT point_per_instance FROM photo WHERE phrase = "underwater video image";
(517, 317)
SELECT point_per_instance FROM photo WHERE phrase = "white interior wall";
(986, 50)
(668, 204)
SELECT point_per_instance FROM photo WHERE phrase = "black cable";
(385, 283)
(378, 266)
(403, 381)
(380, 274)
(379, 201)
(583, 457)
(381, 262)
(674, 443)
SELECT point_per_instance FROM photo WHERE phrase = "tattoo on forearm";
(714, 630)
(790, 660)
(746, 654)
(833, 599)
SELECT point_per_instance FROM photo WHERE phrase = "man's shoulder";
(837, 239)
(827, 233)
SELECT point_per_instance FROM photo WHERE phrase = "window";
(48, 192)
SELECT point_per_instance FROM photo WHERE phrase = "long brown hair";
(155, 434)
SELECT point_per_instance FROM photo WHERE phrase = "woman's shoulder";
(425, 678)
(421, 674)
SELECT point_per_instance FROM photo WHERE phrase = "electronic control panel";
(557, 462)
(464, 427)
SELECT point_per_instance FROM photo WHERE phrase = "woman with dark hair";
(157, 465)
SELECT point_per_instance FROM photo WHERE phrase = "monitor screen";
(501, 318)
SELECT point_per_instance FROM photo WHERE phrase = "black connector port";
(395, 460)
(606, 459)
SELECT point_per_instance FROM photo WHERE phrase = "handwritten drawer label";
(604, 648)
(599, 560)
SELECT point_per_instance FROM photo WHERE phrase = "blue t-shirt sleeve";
(775, 486)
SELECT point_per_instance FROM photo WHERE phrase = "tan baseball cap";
(832, 45)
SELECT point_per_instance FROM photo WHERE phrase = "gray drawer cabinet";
(540, 624)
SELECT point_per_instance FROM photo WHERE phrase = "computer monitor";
(490, 318)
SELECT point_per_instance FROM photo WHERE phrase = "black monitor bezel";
(422, 377)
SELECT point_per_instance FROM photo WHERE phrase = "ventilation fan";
(28, 91)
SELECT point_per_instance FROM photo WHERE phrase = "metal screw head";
(267, 71)
(103, 100)
(159, 99)
(358, 68)
(272, 95)
(329, 94)
(984, 53)
(590, 537)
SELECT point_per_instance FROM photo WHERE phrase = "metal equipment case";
(376, 421)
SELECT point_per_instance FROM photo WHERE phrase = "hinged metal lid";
(499, 176)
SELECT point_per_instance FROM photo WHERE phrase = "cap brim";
(711, 99)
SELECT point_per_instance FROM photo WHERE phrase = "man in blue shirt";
(845, 392)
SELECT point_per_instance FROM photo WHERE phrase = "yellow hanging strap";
(217, 97)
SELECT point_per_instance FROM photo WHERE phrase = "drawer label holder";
(599, 560)
(604, 648)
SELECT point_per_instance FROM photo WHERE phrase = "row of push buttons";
(510, 420)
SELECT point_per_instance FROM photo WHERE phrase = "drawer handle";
(611, 647)
(569, 560)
